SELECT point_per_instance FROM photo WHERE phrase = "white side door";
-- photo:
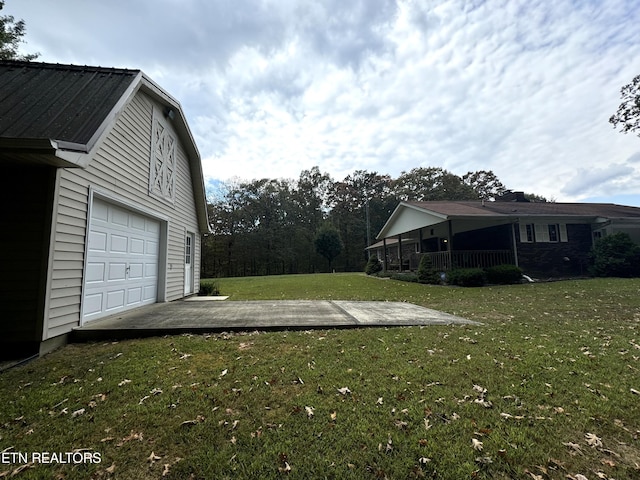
(188, 264)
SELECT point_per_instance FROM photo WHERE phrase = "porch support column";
(450, 244)
(420, 240)
(400, 251)
(384, 253)
(513, 244)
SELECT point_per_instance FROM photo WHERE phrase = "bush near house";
(467, 277)
(615, 255)
(208, 288)
(426, 272)
(373, 265)
(504, 274)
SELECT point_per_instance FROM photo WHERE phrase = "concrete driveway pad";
(201, 316)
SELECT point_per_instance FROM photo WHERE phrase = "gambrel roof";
(57, 115)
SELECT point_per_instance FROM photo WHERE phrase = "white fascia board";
(406, 218)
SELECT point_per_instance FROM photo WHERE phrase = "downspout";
(384, 253)
(513, 243)
(450, 244)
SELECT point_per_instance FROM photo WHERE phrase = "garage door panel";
(122, 260)
(119, 244)
(134, 295)
(98, 241)
(137, 246)
(115, 299)
(95, 272)
(117, 271)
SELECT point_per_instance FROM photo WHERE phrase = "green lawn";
(548, 387)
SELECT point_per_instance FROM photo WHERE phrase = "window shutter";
(523, 233)
(542, 233)
(563, 232)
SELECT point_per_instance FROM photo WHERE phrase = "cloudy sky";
(271, 87)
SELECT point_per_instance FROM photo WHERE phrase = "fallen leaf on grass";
(111, 469)
(333, 416)
(344, 390)
(593, 440)
(309, 411)
(124, 382)
(132, 436)
(77, 413)
(152, 458)
(477, 444)
(198, 419)
(575, 448)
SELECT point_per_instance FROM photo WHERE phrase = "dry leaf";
(477, 444)
(77, 413)
(152, 458)
(111, 469)
(593, 440)
(575, 448)
(124, 382)
(309, 411)
(344, 390)
(333, 416)
(223, 373)
(198, 419)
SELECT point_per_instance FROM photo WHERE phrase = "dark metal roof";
(58, 102)
(470, 209)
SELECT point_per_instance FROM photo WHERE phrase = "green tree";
(328, 243)
(432, 183)
(615, 255)
(628, 114)
(485, 184)
(11, 33)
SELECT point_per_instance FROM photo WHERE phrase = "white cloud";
(523, 88)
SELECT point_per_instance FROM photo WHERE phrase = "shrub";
(426, 272)
(504, 274)
(373, 265)
(405, 277)
(208, 288)
(615, 255)
(467, 277)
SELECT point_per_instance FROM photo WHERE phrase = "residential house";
(546, 239)
(103, 199)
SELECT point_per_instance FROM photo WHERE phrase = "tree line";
(285, 226)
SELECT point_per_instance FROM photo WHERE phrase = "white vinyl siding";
(120, 166)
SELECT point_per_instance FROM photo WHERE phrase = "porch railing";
(443, 261)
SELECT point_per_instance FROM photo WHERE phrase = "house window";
(543, 232)
(162, 169)
(527, 233)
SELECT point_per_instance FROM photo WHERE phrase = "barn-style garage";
(107, 199)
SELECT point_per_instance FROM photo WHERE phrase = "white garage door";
(122, 261)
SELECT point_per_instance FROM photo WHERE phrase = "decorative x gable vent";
(162, 172)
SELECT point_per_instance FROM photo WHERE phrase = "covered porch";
(451, 242)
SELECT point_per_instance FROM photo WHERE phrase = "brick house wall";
(556, 259)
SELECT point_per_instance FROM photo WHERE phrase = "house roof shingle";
(464, 209)
(59, 102)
